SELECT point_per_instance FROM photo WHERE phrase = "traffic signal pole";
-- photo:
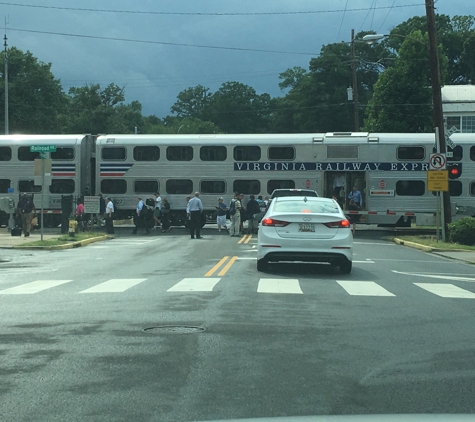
(437, 104)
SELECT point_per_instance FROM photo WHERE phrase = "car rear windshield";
(306, 207)
(294, 193)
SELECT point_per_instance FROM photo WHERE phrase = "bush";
(463, 231)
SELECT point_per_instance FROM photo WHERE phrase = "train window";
(472, 153)
(472, 188)
(113, 186)
(179, 153)
(457, 153)
(410, 188)
(63, 154)
(212, 186)
(28, 186)
(146, 186)
(62, 186)
(5, 153)
(146, 153)
(247, 153)
(247, 187)
(280, 184)
(213, 153)
(455, 187)
(113, 153)
(179, 186)
(4, 185)
(24, 154)
(281, 153)
(411, 153)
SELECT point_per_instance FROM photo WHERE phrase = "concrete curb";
(424, 247)
(69, 245)
(413, 245)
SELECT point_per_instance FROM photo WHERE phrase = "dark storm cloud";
(155, 73)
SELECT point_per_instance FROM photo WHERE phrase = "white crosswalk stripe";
(195, 285)
(115, 285)
(364, 288)
(33, 287)
(446, 290)
(279, 285)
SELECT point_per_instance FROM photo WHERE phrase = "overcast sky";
(154, 72)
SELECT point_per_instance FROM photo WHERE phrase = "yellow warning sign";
(437, 180)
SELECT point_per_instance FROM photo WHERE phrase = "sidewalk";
(8, 241)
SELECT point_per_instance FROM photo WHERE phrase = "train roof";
(12, 140)
(282, 139)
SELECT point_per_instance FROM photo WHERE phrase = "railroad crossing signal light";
(455, 170)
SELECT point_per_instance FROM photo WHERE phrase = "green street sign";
(43, 148)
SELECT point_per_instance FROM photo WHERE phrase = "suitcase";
(16, 231)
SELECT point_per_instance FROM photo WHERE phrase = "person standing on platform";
(24, 209)
(194, 210)
(108, 216)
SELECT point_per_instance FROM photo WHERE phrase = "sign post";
(438, 180)
(44, 164)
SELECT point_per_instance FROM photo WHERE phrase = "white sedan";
(305, 229)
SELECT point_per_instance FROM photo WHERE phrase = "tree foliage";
(36, 98)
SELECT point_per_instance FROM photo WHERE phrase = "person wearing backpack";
(235, 215)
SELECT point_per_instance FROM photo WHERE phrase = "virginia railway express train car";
(390, 170)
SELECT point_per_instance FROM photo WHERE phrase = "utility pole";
(437, 103)
(355, 83)
(6, 80)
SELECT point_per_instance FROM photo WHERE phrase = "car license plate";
(307, 228)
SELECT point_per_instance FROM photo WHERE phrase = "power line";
(342, 19)
(161, 42)
(141, 12)
(389, 12)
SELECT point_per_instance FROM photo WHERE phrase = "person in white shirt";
(108, 216)
(157, 210)
(194, 211)
(139, 217)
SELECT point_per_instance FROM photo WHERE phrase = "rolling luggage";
(16, 231)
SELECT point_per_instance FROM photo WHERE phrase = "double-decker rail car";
(70, 170)
(390, 170)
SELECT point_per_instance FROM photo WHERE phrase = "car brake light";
(274, 223)
(338, 224)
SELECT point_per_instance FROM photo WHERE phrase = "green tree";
(36, 98)
(194, 102)
(237, 108)
(402, 95)
(95, 110)
(317, 100)
(452, 34)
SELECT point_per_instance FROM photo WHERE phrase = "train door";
(338, 184)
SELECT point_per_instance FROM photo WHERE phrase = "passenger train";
(390, 169)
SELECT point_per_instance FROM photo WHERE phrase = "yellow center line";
(248, 239)
(242, 239)
(212, 271)
(227, 266)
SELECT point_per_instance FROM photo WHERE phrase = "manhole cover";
(174, 329)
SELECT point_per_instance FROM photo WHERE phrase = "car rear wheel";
(345, 266)
(261, 265)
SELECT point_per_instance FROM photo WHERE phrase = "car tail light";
(273, 222)
(338, 224)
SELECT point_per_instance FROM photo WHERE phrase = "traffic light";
(455, 170)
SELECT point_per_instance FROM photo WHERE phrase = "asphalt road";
(394, 336)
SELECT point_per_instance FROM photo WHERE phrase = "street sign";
(92, 204)
(437, 180)
(43, 148)
(437, 161)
